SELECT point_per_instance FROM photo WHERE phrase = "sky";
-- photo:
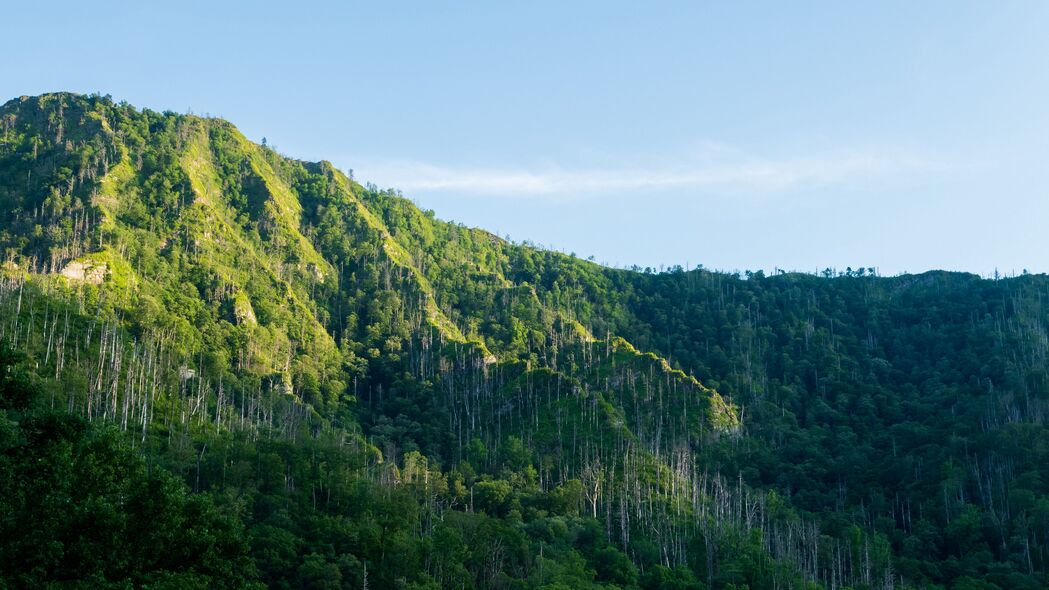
(904, 135)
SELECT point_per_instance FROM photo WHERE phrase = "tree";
(592, 477)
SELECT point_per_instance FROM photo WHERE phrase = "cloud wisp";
(734, 175)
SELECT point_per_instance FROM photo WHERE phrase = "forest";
(221, 367)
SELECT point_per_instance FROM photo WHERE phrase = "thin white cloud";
(730, 172)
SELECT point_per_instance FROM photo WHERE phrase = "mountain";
(223, 367)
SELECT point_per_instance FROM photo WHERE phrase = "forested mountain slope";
(317, 384)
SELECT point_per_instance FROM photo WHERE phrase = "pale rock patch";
(86, 271)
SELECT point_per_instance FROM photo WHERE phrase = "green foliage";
(224, 367)
(82, 509)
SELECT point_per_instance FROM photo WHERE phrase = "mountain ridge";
(223, 308)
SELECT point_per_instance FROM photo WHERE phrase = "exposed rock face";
(85, 272)
(243, 311)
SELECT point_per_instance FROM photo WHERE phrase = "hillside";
(309, 382)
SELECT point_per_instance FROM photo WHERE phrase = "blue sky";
(797, 135)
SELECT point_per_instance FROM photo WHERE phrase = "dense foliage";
(223, 367)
